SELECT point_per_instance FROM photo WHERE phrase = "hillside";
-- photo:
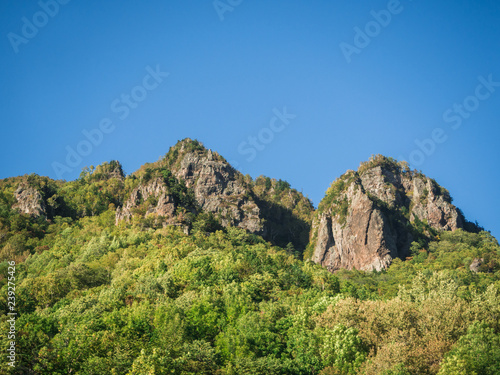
(186, 266)
(373, 215)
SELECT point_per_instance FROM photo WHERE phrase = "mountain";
(190, 187)
(186, 266)
(373, 215)
(367, 218)
(193, 179)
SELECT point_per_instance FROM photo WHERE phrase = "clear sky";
(297, 90)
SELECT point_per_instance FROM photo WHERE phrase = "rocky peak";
(371, 216)
(421, 196)
(265, 206)
(217, 186)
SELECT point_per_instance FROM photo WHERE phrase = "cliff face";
(217, 187)
(29, 201)
(163, 203)
(371, 216)
(422, 196)
(266, 207)
(194, 179)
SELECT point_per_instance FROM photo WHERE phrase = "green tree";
(476, 353)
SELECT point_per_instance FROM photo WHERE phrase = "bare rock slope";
(371, 216)
(195, 179)
(217, 186)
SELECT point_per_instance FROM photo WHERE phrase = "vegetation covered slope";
(96, 297)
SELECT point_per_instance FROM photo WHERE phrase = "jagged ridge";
(265, 206)
(367, 218)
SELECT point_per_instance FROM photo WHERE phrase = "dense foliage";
(94, 297)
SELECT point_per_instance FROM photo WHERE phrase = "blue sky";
(319, 85)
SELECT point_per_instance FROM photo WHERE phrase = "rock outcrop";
(371, 216)
(217, 186)
(29, 201)
(476, 264)
(263, 206)
(161, 202)
(108, 170)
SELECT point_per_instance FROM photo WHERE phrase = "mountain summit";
(209, 184)
(371, 216)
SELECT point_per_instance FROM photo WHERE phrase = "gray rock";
(383, 202)
(218, 188)
(29, 201)
(476, 264)
(165, 205)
